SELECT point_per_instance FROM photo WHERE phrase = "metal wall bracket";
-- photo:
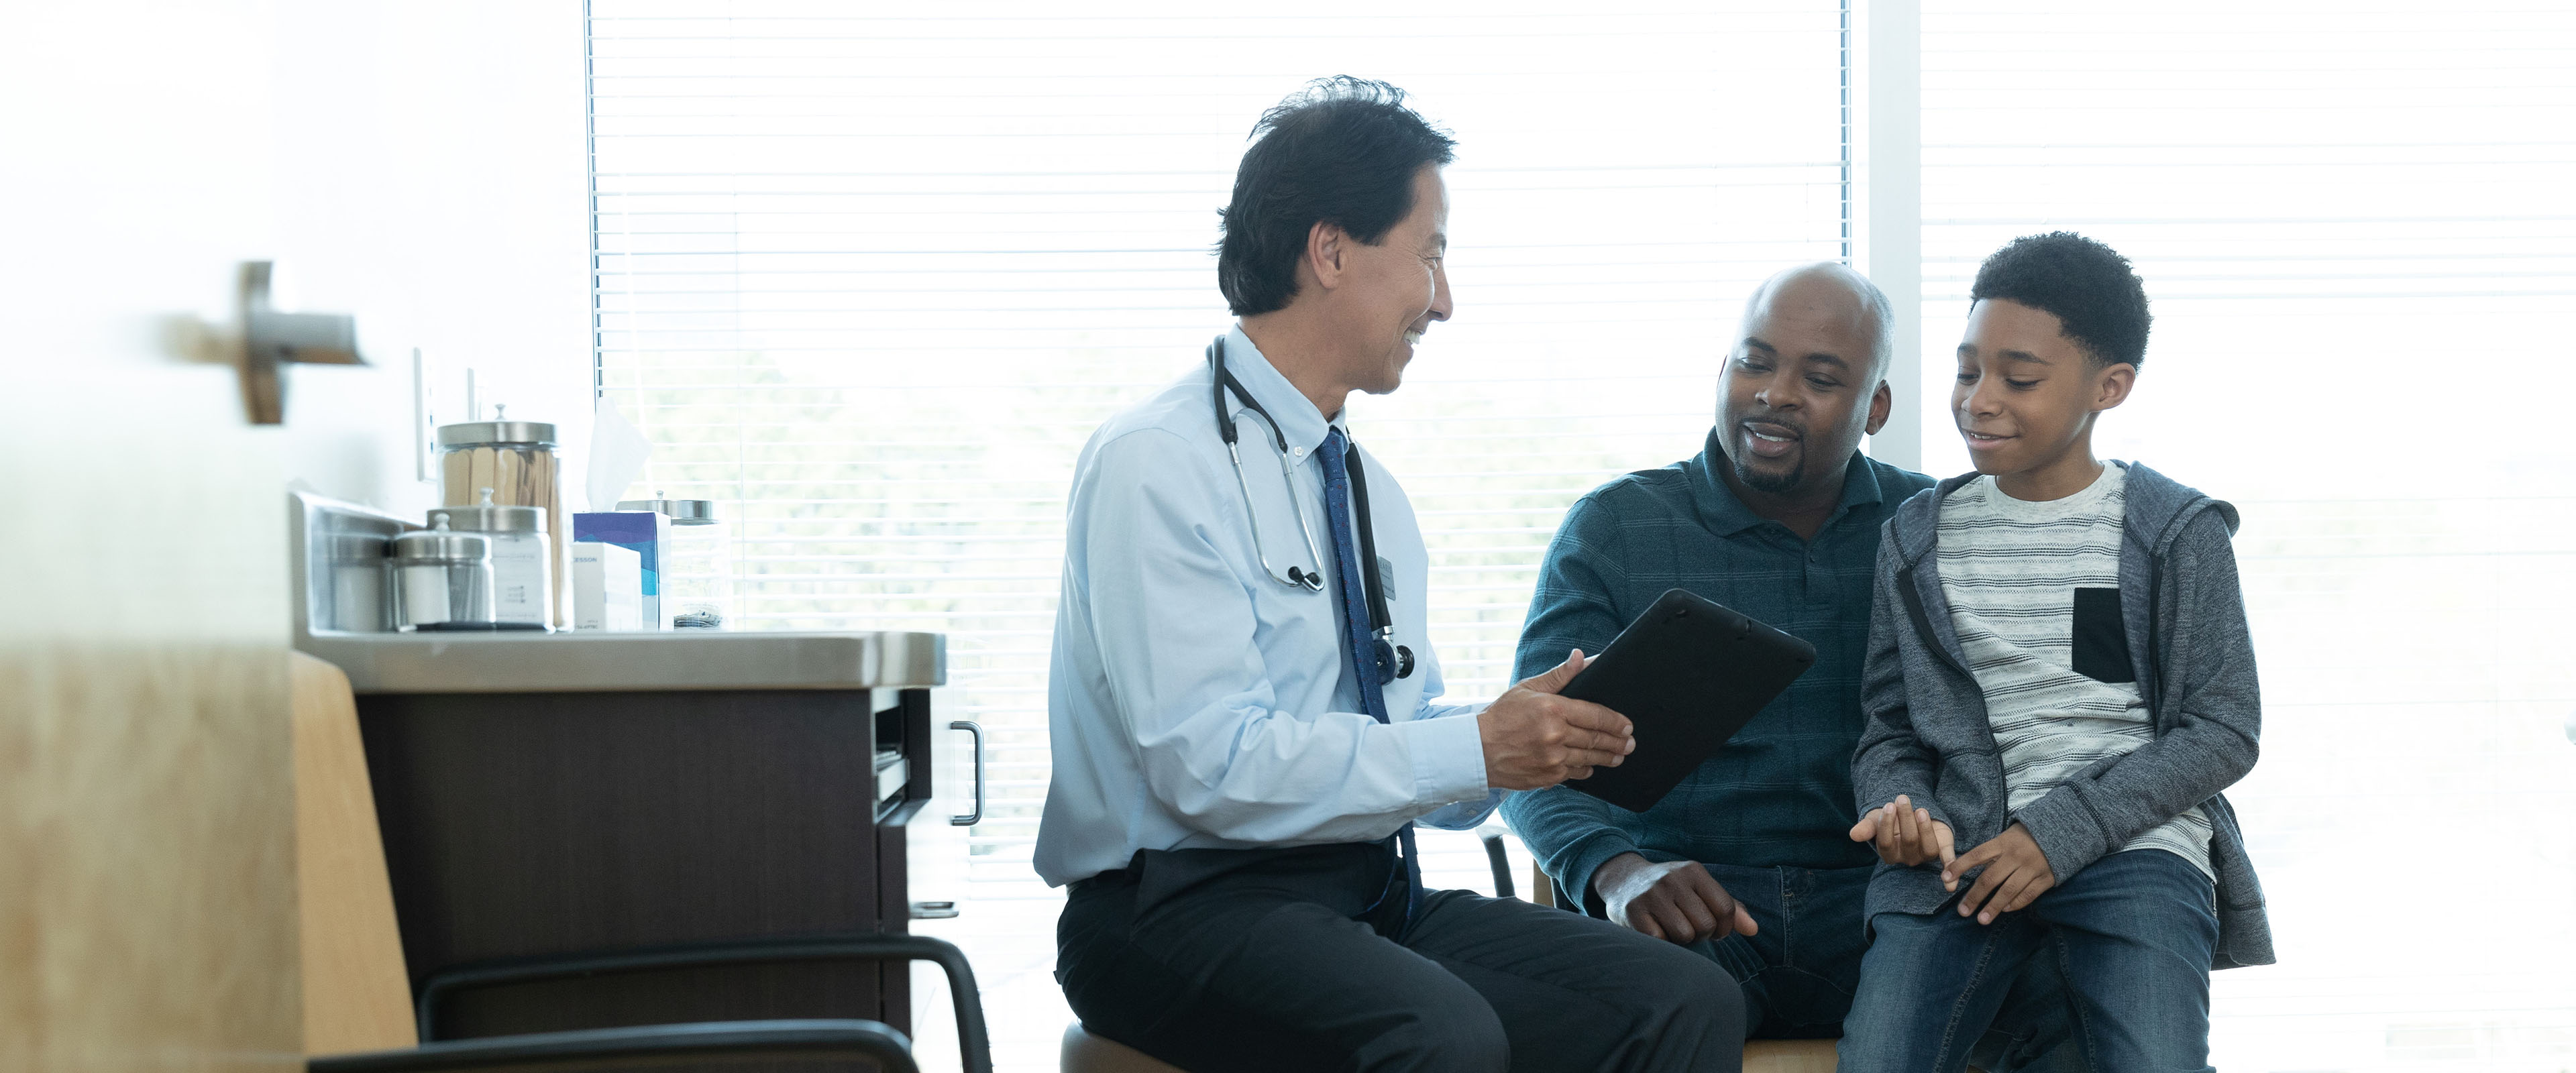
(271, 339)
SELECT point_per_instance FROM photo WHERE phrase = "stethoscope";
(1393, 660)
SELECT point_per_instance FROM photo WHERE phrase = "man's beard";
(1773, 484)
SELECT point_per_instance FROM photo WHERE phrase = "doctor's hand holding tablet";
(1692, 670)
(1534, 738)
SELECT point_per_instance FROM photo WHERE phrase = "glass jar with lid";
(698, 566)
(514, 461)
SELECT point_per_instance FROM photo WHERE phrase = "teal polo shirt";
(1780, 792)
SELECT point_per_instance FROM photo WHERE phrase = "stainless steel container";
(355, 581)
(442, 580)
(522, 558)
(681, 511)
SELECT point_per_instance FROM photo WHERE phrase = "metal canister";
(680, 511)
(442, 580)
(522, 558)
(361, 600)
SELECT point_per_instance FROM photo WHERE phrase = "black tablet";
(1689, 673)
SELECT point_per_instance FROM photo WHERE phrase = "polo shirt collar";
(1726, 515)
(1299, 421)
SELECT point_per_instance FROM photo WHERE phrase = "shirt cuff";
(1585, 858)
(1448, 759)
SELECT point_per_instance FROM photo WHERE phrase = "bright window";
(2354, 222)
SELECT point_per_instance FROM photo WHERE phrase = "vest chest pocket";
(2101, 642)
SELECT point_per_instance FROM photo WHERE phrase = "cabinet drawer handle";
(972, 818)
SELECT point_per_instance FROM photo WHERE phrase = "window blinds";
(2355, 223)
(870, 280)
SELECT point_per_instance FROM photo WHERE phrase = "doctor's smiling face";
(1335, 236)
(1397, 288)
(1803, 384)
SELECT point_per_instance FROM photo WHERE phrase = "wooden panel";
(1789, 1056)
(147, 899)
(356, 995)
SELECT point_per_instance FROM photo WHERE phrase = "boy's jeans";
(2131, 936)
(1800, 969)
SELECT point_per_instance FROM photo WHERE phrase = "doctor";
(1242, 697)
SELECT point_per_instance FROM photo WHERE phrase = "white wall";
(431, 180)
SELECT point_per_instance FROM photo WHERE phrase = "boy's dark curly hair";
(2097, 298)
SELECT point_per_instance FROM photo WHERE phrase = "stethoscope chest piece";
(1393, 660)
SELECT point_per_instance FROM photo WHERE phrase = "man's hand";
(1905, 835)
(2017, 873)
(1677, 900)
(1535, 739)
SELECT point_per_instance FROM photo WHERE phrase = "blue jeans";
(2131, 937)
(1801, 968)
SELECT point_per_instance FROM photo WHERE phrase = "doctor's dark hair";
(2098, 300)
(1341, 151)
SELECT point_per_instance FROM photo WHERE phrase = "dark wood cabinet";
(535, 825)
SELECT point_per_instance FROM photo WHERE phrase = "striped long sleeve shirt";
(2034, 597)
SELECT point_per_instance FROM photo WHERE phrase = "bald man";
(1752, 860)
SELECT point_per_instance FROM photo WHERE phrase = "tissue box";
(607, 587)
(643, 532)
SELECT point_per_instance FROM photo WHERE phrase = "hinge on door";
(271, 339)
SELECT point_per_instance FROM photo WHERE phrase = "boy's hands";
(2017, 873)
(1906, 836)
(1677, 900)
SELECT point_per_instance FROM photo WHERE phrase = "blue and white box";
(644, 532)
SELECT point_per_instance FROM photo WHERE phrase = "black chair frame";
(974, 1042)
(643, 1047)
(1500, 860)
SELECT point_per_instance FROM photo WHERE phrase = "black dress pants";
(1301, 959)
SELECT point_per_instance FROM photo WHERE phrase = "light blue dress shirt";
(1196, 702)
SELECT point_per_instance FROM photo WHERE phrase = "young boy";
(2059, 684)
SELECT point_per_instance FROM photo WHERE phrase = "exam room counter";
(566, 796)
